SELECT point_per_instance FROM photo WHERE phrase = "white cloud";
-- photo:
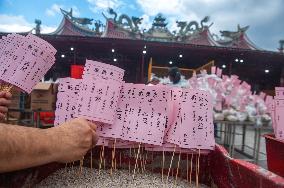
(153, 7)
(224, 14)
(11, 23)
(146, 22)
(264, 17)
(17, 23)
(47, 29)
(75, 11)
(97, 6)
(55, 9)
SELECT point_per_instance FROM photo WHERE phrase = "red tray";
(275, 154)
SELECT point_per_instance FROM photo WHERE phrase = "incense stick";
(187, 167)
(129, 169)
(72, 165)
(113, 156)
(66, 166)
(197, 171)
(137, 166)
(190, 168)
(178, 167)
(92, 158)
(119, 159)
(152, 160)
(146, 156)
(115, 162)
(101, 160)
(163, 163)
(141, 161)
(136, 160)
(171, 163)
(103, 156)
(81, 166)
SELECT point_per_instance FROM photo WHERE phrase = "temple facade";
(119, 40)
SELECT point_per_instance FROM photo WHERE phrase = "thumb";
(95, 138)
(92, 125)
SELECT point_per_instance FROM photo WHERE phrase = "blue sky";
(264, 17)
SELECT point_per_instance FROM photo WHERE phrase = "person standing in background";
(174, 75)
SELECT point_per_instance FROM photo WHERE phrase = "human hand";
(73, 139)
(5, 100)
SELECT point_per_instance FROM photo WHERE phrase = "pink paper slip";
(219, 72)
(103, 71)
(200, 116)
(213, 70)
(98, 99)
(279, 118)
(115, 130)
(193, 126)
(145, 113)
(66, 104)
(279, 92)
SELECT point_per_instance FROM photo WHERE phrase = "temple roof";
(70, 26)
(126, 27)
(201, 38)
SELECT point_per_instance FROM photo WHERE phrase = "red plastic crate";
(275, 154)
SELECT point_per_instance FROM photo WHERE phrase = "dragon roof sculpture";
(234, 34)
(122, 26)
(192, 27)
(237, 39)
(124, 21)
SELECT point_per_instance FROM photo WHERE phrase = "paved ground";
(249, 141)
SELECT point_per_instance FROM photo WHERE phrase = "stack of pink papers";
(141, 115)
(160, 117)
(24, 60)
